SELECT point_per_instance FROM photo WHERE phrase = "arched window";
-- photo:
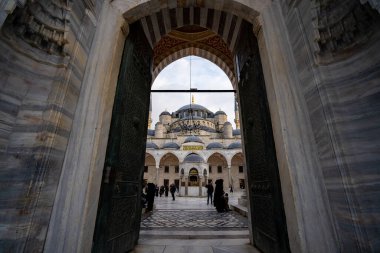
(193, 177)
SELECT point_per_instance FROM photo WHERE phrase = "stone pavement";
(189, 225)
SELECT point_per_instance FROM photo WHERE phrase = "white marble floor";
(205, 230)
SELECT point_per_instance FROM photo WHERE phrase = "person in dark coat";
(166, 190)
(173, 190)
(210, 191)
(219, 196)
(162, 190)
(157, 189)
(150, 196)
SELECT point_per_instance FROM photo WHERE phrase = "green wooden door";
(264, 188)
(119, 211)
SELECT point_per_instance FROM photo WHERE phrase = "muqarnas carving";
(42, 24)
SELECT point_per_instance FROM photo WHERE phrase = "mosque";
(193, 146)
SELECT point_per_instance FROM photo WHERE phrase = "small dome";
(150, 132)
(234, 145)
(220, 113)
(170, 145)
(151, 145)
(193, 139)
(214, 145)
(193, 158)
(165, 113)
(236, 132)
(227, 124)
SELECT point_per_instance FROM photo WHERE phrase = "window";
(219, 169)
(166, 169)
(145, 169)
(241, 169)
(177, 169)
(210, 169)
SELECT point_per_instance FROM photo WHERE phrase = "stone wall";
(44, 48)
(340, 80)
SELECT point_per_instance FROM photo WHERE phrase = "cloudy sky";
(204, 75)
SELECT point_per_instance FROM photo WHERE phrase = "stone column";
(186, 185)
(157, 174)
(180, 186)
(229, 176)
(200, 186)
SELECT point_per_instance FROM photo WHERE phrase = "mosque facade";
(193, 146)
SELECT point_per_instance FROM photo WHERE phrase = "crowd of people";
(215, 196)
(220, 197)
(151, 190)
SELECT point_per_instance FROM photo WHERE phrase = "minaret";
(192, 99)
(237, 121)
(150, 113)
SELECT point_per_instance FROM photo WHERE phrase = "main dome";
(193, 107)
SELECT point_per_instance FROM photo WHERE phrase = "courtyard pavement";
(189, 225)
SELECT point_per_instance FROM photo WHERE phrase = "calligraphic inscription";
(192, 147)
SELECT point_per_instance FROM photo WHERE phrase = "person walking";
(150, 196)
(219, 201)
(173, 190)
(166, 190)
(210, 191)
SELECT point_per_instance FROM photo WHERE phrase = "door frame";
(309, 223)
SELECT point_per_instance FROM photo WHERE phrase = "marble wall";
(42, 78)
(42, 63)
(343, 103)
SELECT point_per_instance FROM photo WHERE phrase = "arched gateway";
(76, 76)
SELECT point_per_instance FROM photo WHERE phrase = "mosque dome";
(165, 113)
(193, 107)
(151, 145)
(214, 145)
(227, 123)
(193, 158)
(170, 145)
(193, 139)
(220, 113)
(234, 145)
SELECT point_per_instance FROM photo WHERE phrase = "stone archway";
(74, 192)
(273, 72)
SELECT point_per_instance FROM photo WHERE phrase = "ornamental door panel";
(119, 210)
(264, 189)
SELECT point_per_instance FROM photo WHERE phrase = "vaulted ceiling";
(179, 32)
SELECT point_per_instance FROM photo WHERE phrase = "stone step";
(194, 234)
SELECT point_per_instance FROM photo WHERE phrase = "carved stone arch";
(219, 156)
(135, 11)
(166, 156)
(148, 154)
(200, 53)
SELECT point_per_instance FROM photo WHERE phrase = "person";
(226, 206)
(173, 190)
(150, 196)
(166, 190)
(162, 190)
(157, 189)
(210, 191)
(231, 189)
(219, 195)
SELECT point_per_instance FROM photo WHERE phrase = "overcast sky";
(204, 75)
